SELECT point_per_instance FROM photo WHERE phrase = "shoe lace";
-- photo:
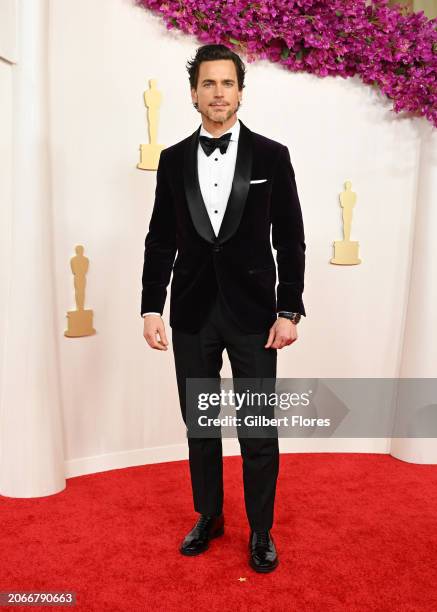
(262, 538)
(203, 521)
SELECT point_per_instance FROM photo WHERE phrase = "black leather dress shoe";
(206, 528)
(263, 557)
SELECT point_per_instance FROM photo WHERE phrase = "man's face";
(217, 92)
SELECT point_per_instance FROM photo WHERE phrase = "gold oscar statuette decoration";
(346, 250)
(150, 153)
(80, 321)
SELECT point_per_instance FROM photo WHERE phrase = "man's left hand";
(282, 333)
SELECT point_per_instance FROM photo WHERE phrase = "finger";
(270, 338)
(162, 336)
(281, 342)
(295, 336)
(159, 341)
(153, 342)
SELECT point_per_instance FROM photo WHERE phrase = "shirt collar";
(235, 131)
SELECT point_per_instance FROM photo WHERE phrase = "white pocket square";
(258, 181)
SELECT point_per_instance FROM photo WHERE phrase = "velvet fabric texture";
(239, 262)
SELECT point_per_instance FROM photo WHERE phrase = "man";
(218, 194)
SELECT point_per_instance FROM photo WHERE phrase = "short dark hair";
(208, 53)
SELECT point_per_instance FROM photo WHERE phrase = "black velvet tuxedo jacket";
(238, 262)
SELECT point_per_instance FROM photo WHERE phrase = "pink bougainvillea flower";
(386, 46)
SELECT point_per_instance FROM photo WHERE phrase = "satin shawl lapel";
(237, 197)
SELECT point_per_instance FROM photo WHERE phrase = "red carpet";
(353, 532)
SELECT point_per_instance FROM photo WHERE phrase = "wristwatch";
(294, 317)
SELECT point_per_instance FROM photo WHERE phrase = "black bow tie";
(210, 144)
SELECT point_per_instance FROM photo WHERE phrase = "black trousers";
(199, 355)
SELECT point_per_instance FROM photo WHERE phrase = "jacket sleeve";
(160, 244)
(288, 236)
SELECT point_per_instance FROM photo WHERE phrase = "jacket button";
(216, 248)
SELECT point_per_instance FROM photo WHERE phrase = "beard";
(219, 117)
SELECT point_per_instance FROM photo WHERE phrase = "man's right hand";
(154, 328)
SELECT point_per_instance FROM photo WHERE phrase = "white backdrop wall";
(118, 394)
(119, 398)
(7, 59)
(5, 190)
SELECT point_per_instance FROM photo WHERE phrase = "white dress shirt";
(216, 174)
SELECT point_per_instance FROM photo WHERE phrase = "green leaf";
(285, 53)
(234, 41)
